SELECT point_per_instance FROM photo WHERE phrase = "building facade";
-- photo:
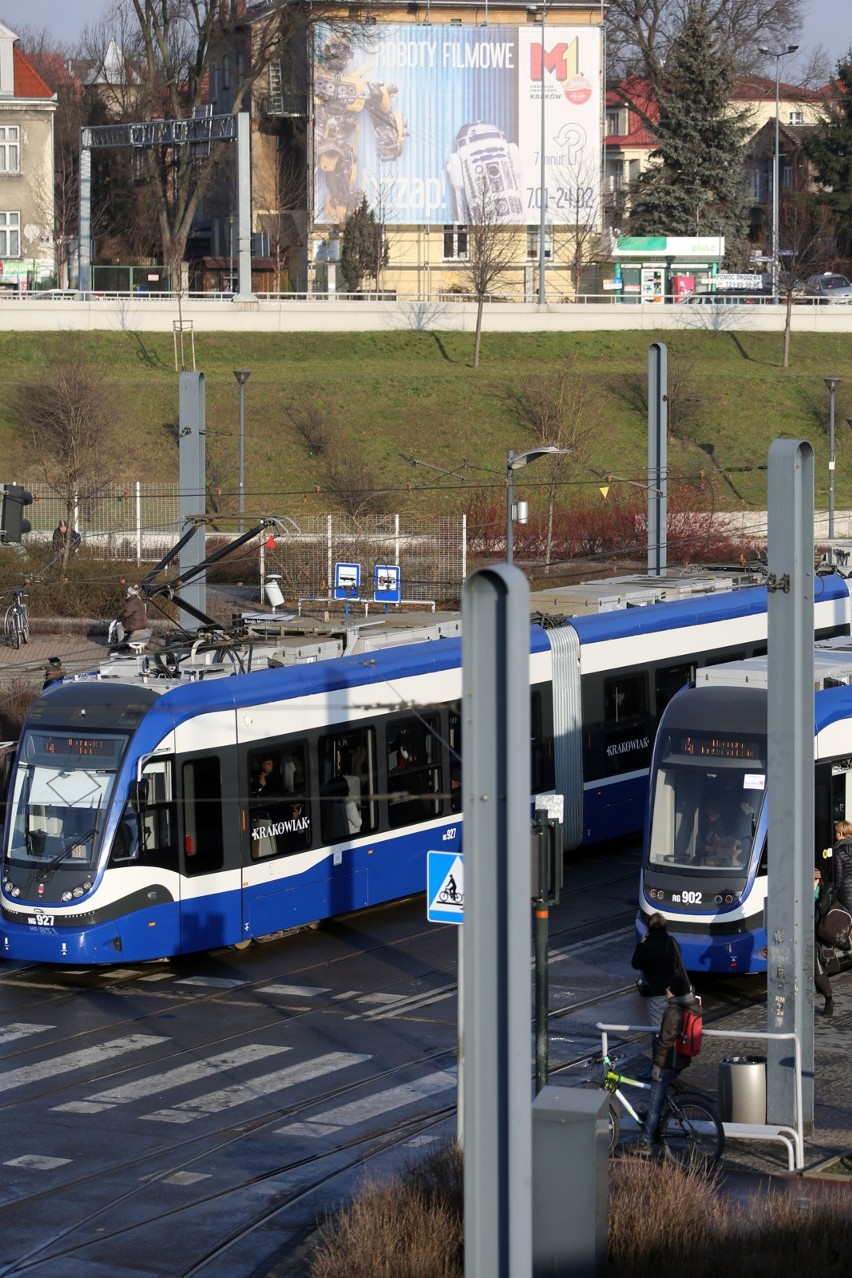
(441, 115)
(27, 109)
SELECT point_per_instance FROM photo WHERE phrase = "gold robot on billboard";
(341, 96)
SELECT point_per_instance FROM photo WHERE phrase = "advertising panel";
(433, 123)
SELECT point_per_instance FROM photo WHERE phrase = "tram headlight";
(78, 892)
(16, 892)
(66, 896)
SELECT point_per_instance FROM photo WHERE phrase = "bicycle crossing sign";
(444, 887)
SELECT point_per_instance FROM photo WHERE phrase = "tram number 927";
(687, 898)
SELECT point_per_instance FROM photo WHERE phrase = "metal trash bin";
(742, 1089)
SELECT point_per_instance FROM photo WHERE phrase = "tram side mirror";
(139, 793)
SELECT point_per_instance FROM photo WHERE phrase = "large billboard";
(429, 122)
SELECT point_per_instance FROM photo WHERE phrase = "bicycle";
(16, 625)
(690, 1131)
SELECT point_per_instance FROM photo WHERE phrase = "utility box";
(742, 1089)
(570, 1133)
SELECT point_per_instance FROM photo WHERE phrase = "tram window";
(624, 697)
(542, 775)
(347, 772)
(279, 803)
(414, 770)
(204, 843)
(155, 820)
(454, 736)
(670, 679)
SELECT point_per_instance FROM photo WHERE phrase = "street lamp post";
(777, 55)
(543, 171)
(832, 383)
(514, 461)
(242, 375)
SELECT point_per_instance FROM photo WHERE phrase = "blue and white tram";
(706, 857)
(157, 813)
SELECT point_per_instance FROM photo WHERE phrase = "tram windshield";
(707, 794)
(56, 813)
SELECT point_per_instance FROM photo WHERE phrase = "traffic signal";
(12, 522)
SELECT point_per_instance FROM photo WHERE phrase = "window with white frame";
(10, 149)
(455, 243)
(795, 117)
(10, 235)
(532, 243)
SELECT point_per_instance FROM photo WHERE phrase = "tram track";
(353, 1153)
(118, 1211)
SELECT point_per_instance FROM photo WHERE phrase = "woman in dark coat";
(658, 958)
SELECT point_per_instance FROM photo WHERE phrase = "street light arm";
(516, 460)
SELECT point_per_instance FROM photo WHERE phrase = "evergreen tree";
(696, 186)
(829, 148)
(363, 250)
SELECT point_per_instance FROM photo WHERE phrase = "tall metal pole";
(832, 384)
(790, 777)
(242, 375)
(543, 167)
(510, 492)
(777, 55)
(775, 167)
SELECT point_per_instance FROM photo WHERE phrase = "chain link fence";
(431, 555)
(141, 521)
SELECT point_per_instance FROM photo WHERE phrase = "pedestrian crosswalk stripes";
(371, 1106)
(88, 1056)
(256, 1089)
(155, 1084)
(9, 1033)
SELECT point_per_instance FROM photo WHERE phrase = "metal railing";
(745, 1131)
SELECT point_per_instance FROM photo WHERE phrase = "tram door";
(210, 907)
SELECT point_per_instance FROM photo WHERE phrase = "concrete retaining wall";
(321, 314)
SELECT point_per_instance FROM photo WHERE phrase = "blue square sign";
(347, 581)
(387, 587)
(444, 887)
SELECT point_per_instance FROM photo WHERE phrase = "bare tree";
(491, 252)
(805, 229)
(350, 482)
(558, 408)
(70, 415)
(640, 35)
(578, 205)
(174, 47)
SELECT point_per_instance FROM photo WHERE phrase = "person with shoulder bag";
(658, 958)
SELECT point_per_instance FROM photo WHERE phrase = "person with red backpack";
(678, 1041)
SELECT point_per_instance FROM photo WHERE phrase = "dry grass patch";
(663, 1220)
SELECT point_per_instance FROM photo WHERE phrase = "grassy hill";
(368, 397)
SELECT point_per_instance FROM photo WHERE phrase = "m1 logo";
(562, 63)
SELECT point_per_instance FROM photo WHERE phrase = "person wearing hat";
(53, 671)
(133, 616)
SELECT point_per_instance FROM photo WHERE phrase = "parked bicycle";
(690, 1130)
(16, 625)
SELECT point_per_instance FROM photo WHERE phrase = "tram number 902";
(687, 898)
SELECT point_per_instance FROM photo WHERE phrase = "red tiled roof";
(759, 87)
(28, 82)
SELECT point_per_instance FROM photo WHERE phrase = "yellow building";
(445, 117)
